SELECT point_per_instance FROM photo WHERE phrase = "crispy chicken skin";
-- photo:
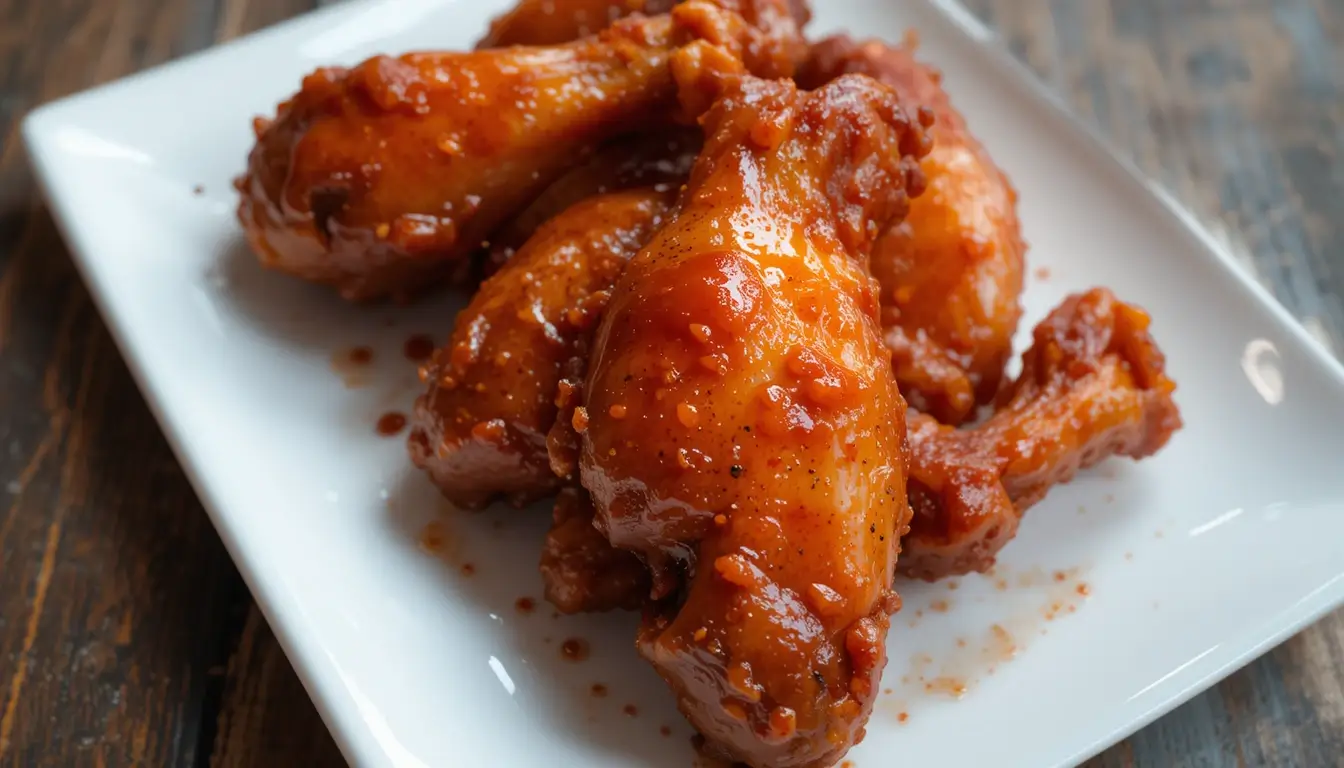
(645, 160)
(480, 428)
(736, 427)
(1093, 385)
(952, 271)
(380, 179)
(552, 22)
(582, 572)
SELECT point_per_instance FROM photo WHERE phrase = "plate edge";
(352, 742)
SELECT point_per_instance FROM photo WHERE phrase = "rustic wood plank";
(116, 597)
(267, 718)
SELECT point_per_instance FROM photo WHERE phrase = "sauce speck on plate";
(525, 604)
(390, 423)
(351, 364)
(598, 690)
(433, 538)
(948, 686)
(630, 710)
(574, 649)
(418, 348)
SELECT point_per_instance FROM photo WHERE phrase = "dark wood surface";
(128, 638)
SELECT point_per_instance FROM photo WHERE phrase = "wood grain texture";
(266, 717)
(118, 606)
(126, 636)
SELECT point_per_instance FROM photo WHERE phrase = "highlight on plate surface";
(742, 305)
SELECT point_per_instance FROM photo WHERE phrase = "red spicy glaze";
(480, 429)
(380, 180)
(743, 422)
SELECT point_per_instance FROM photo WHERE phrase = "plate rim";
(349, 730)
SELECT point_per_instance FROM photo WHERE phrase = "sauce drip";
(433, 538)
(574, 649)
(390, 423)
(418, 348)
(350, 365)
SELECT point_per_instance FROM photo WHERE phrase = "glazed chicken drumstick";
(380, 180)
(955, 266)
(743, 427)
(480, 430)
(952, 271)
(645, 160)
(1093, 385)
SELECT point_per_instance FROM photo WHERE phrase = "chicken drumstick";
(744, 428)
(951, 272)
(480, 429)
(380, 180)
(1093, 385)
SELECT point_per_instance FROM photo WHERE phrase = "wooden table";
(126, 635)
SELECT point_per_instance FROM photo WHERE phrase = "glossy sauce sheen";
(647, 160)
(380, 180)
(743, 426)
(480, 428)
(1093, 385)
(952, 271)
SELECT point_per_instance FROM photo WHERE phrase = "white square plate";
(1195, 561)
